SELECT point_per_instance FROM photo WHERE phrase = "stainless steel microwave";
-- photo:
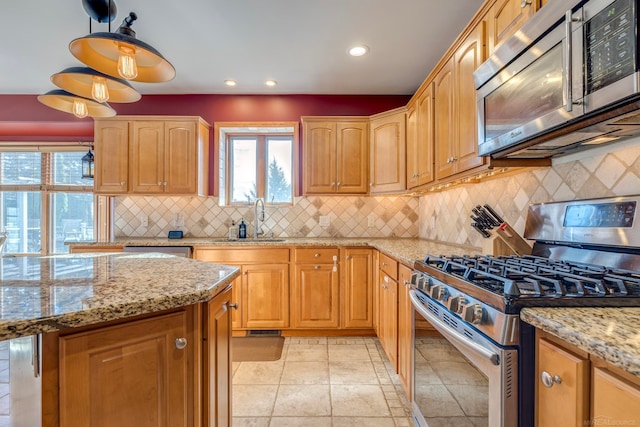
(567, 80)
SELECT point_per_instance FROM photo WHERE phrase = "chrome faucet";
(258, 219)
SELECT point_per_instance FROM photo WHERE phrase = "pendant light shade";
(77, 105)
(89, 83)
(120, 54)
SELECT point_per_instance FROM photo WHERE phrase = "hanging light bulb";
(99, 90)
(80, 108)
(127, 67)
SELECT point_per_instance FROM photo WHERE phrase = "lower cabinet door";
(135, 374)
(562, 387)
(218, 361)
(265, 296)
(314, 297)
(615, 401)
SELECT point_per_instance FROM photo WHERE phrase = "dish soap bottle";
(242, 229)
(233, 231)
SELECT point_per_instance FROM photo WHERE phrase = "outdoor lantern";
(87, 165)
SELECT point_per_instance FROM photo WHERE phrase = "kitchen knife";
(487, 216)
(480, 219)
(480, 230)
(494, 214)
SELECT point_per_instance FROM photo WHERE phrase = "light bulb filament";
(127, 67)
(80, 109)
(99, 90)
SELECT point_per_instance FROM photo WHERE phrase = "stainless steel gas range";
(480, 367)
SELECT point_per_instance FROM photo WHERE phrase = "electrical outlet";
(178, 220)
(144, 220)
(324, 221)
(371, 221)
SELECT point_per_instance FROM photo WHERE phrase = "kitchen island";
(125, 337)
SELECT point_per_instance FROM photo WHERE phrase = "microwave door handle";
(568, 66)
(452, 334)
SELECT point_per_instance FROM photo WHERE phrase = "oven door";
(459, 373)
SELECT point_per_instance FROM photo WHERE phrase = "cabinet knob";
(339, 184)
(159, 182)
(317, 267)
(122, 183)
(348, 257)
(371, 184)
(317, 255)
(525, 3)
(244, 273)
(384, 264)
(548, 380)
(181, 343)
(333, 184)
(233, 305)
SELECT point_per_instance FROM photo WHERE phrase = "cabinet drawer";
(242, 256)
(389, 266)
(316, 255)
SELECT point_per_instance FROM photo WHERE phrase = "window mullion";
(261, 177)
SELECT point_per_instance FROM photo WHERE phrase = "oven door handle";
(452, 334)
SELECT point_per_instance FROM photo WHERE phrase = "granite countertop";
(610, 333)
(403, 249)
(44, 294)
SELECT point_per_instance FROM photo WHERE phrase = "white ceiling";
(302, 44)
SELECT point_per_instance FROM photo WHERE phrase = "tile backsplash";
(601, 172)
(348, 216)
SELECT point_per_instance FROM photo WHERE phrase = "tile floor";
(321, 382)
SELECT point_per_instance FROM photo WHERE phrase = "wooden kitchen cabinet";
(388, 308)
(387, 165)
(566, 401)
(156, 155)
(405, 328)
(357, 288)
(335, 155)
(505, 18)
(586, 389)
(217, 357)
(263, 295)
(111, 154)
(315, 289)
(136, 373)
(420, 138)
(456, 129)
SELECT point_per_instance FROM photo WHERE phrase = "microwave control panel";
(610, 45)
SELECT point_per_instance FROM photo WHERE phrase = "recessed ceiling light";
(271, 83)
(358, 50)
(230, 82)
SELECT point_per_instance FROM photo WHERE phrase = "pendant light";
(89, 83)
(120, 54)
(77, 105)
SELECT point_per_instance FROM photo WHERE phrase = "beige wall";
(600, 172)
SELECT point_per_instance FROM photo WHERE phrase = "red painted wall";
(23, 118)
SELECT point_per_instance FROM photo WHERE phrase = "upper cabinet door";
(388, 152)
(412, 147)
(352, 157)
(111, 148)
(444, 121)
(467, 58)
(181, 157)
(147, 157)
(319, 146)
(505, 18)
(425, 130)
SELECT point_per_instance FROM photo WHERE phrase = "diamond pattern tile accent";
(616, 172)
(203, 217)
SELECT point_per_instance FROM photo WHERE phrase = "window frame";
(47, 188)
(222, 133)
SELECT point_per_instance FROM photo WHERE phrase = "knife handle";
(494, 213)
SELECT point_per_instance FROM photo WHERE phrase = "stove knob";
(456, 303)
(438, 292)
(423, 283)
(414, 278)
(473, 313)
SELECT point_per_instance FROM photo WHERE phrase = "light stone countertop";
(403, 249)
(44, 294)
(611, 333)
